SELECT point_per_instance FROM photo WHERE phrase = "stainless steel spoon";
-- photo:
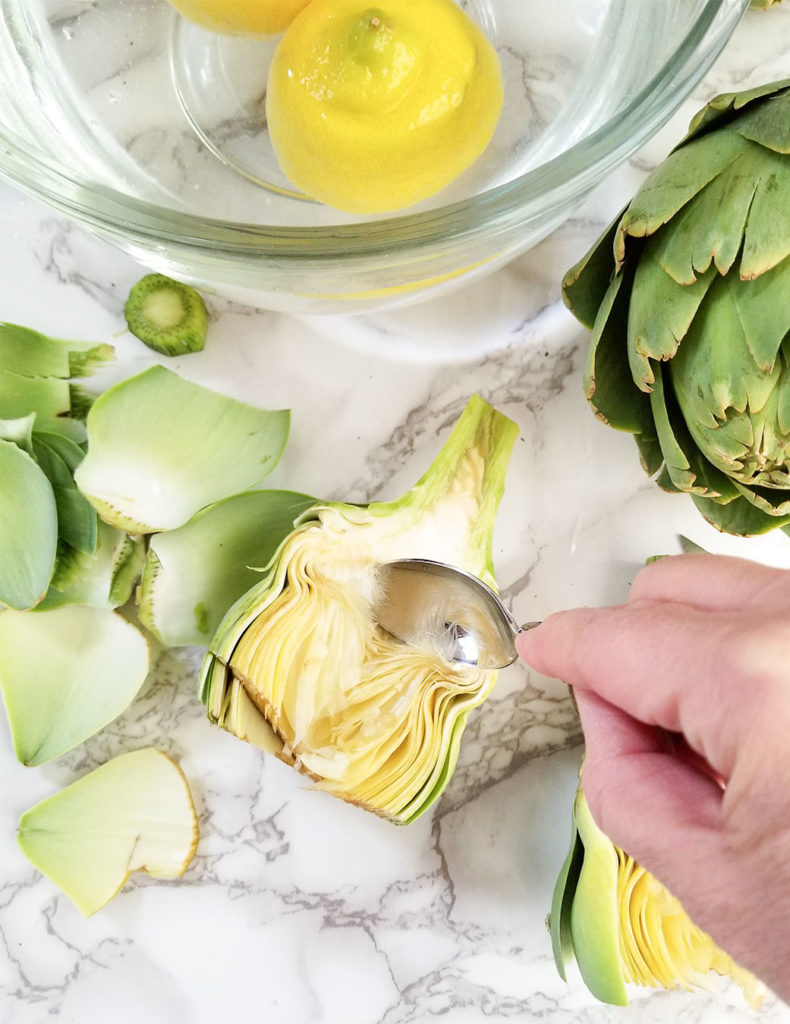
(425, 602)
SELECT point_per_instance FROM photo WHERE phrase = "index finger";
(670, 665)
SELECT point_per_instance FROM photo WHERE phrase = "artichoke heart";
(300, 667)
(622, 926)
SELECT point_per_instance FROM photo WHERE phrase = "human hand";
(684, 698)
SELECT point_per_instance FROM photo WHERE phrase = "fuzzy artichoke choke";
(299, 667)
(622, 926)
(687, 296)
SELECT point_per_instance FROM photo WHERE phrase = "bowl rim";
(560, 181)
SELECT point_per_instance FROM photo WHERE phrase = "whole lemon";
(241, 17)
(373, 108)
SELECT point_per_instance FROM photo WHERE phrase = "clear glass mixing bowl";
(149, 131)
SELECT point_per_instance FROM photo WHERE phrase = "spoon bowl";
(427, 603)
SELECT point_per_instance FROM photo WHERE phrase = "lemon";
(241, 17)
(373, 108)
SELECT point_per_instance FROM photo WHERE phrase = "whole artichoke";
(688, 297)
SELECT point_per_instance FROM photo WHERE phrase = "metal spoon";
(425, 602)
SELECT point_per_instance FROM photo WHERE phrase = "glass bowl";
(149, 131)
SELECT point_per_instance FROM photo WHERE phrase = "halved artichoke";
(622, 926)
(299, 666)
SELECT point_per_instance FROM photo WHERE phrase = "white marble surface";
(298, 908)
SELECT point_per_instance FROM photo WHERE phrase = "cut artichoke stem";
(134, 813)
(101, 663)
(623, 927)
(166, 315)
(373, 721)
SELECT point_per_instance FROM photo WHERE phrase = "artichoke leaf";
(28, 529)
(768, 123)
(659, 315)
(134, 813)
(32, 354)
(740, 517)
(65, 674)
(584, 286)
(158, 450)
(725, 107)
(608, 383)
(369, 719)
(77, 519)
(687, 468)
(559, 920)
(767, 239)
(193, 574)
(755, 304)
(684, 173)
(711, 226)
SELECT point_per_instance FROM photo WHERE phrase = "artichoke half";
(621, 926)
(687, 294)
(299, 666)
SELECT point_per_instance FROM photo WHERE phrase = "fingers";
(657, 807)
(710, 581)
(664, 664)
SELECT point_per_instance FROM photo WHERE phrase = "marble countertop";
(297, 908)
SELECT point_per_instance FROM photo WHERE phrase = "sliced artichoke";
(622, 926)
(134, 813)
(299, 666)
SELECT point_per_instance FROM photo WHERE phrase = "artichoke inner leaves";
(371, 720)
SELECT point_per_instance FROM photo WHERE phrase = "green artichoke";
(300, 667)
(688, 297)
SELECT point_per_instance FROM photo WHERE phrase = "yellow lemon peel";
(374, 108)
(241, 17)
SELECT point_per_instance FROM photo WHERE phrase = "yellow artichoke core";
(660, 946)
(369, 718)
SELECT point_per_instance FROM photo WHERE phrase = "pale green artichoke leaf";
(594, 916)
(65, 674)
(608, 384)
(104, 578)
(740, 517)
(660, 313)
(767, 122)
(28, 529)
(585, 285)
(684, 173)
(684, 464)
(710, 228)
(194, 574)
(161, 448)
(77, 519)
(756, 303)
(767, 239)
(48, 397)
(32, 354)
(20, 431)
(134, 813)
